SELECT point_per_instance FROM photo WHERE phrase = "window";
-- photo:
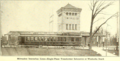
(72, 26)
(75, 13)
(45, 38)
(69, 26)
(28, 38)
(39, 38)
(75, 26)
(32, 38)
(66, 26)
(42, 39)
(36, 38)
(67, 13)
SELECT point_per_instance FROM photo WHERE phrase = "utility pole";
(117, 32)
(51, 22)
(0, 29)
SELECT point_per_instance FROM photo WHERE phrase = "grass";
(18, 51)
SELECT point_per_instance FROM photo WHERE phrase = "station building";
(68, 28)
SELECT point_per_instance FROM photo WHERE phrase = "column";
(117, 43)
(103, 40)
(74, 39)
(25, 38)
(85, 41)
(97, 41)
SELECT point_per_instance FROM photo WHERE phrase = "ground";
(18, 51)
(114, 52)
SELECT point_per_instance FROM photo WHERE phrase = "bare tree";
(97, 7)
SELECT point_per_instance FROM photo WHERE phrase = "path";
(100, 51)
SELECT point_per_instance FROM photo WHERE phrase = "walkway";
(99, 50)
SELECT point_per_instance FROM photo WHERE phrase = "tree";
(97, 7)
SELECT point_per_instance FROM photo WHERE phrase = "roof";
(69, 7)
(84, 34)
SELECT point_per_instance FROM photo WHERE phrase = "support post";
(97, 41)
(103, 42)
(85, 41)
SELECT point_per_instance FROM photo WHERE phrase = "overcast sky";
(34, 15)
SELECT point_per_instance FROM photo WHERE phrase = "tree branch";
(98, 19)
(103, 8)
(90, 7)
(103, 24)
(99, 6)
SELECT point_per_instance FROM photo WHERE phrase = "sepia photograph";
(59, 28)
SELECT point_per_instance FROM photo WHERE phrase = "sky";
(35, 15)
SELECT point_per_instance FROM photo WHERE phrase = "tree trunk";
(90, 41)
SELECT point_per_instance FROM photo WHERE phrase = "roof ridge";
(69, 6)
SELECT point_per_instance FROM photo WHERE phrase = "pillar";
(117, 43)
(74, 39)
(85, 41)
(97, 41)
(103, 40)
(25, 38)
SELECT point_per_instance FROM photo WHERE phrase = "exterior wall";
(4, 40)
(68, 19)
(60, 23)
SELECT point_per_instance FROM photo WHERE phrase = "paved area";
(101, 51)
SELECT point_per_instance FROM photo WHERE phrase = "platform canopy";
(82, 34)
(87, 34)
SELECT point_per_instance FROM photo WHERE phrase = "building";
(69, 19)
(68, 31)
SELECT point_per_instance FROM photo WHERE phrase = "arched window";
(66, 26)
(69, 13)
(72, 26)
(69, 26)
(73, 14)
(75, 26)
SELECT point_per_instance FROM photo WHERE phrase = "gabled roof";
(69, 6)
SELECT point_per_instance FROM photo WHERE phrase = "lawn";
(18, 51)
